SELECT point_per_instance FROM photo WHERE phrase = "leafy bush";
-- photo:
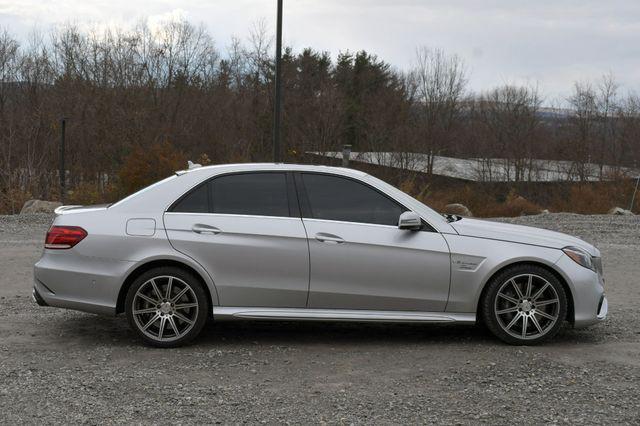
(12, 200)
(144, 166)
(90, 193)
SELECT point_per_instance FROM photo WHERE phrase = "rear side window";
(196, 201)
(258, 194)
(337, 198)
(262, 194)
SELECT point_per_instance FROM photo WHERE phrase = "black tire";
(172, 320)
(533, 315)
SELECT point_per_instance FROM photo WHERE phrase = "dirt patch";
(60, 366)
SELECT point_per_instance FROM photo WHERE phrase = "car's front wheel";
(167, 306)
(524, 305)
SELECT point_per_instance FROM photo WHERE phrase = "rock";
(459, 209)
(39, 206)
(526, 207)
(620, 211)
(545, 211)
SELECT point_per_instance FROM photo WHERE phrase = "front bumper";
(590, 306)
(604, 309)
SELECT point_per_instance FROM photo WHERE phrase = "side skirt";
(253, 313)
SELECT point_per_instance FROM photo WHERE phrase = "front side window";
(262, 194)
(337, 198)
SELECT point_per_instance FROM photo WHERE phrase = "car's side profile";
(294, 242)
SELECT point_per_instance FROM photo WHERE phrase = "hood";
(520, 234)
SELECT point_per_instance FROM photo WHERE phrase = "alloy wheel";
(527, 306)
(165, 308)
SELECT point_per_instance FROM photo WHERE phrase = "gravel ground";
(61, 366)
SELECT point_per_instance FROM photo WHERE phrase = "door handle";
(199, 228)
(328, 238)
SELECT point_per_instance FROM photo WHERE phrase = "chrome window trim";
(248, 216)
(308, 219)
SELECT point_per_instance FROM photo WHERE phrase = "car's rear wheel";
(167, 306)
(524, 305)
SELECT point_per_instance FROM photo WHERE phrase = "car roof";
(240, 167)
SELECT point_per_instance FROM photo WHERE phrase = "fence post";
(633, 197)
(346, 154)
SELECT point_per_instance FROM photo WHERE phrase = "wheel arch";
(155, 263)
(550, 269)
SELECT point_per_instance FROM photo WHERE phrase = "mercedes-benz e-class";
(295, 242)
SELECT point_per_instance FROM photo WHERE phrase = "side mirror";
(410, 220)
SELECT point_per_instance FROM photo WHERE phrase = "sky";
(543, 43)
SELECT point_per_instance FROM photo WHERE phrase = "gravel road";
(61, 366)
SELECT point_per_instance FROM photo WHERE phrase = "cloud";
(547, 42)
(175, 15)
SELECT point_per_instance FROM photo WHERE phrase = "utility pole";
(278, 94)
(63, 174)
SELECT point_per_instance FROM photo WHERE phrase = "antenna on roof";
(191, 165)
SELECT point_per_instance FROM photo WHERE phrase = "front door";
(359, 257)
(248, 235)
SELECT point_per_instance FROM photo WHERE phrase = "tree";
(510, 122)
(438, 84)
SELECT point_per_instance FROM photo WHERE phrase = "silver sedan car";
(295, 242)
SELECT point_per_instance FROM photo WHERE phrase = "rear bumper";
(37, 298)
(68, 280)
(44, 297)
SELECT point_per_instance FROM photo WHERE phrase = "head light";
(580, 256)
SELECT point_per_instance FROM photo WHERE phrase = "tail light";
(64, 237)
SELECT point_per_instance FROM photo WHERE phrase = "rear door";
(359, 257)
(245, 229)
